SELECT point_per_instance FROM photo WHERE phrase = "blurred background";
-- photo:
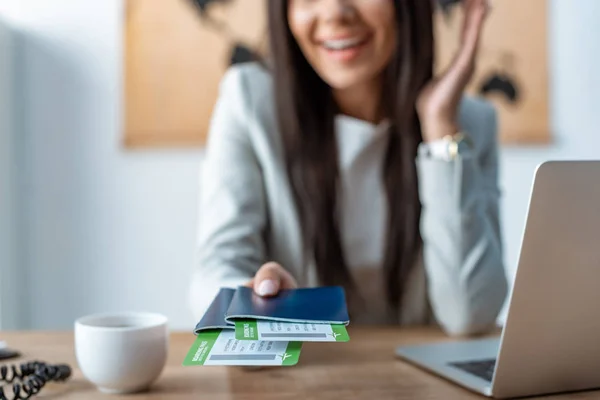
(91, 223)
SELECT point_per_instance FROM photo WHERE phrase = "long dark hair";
(306, 110)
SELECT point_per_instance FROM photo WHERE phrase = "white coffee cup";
(121, 353)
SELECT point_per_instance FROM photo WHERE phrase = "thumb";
(271, 278)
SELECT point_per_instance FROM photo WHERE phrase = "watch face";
(452, 150)
(452, 145)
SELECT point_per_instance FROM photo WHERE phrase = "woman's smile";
(348, 43)
(345, 48)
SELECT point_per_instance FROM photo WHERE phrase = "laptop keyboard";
(481, 368)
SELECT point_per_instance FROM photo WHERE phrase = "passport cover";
(323, 305)
(214, 318)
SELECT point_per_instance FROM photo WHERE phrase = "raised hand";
(439, 100)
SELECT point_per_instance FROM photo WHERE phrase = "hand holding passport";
(242, 328)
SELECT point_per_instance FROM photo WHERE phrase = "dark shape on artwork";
(239, 53)
(203, 4)
(447, 5)
(503, 84)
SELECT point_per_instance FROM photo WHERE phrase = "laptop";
(550, 342)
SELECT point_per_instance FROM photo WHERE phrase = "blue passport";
(323, 305)
(214, 318)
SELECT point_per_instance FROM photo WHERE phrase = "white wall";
(108, 229)
(575, 110)
(8, 316)
(105, 228)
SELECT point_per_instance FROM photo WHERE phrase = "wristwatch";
(447, 148)
(452, 145)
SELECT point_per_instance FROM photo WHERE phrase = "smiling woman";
(344, 162)
(358, 81)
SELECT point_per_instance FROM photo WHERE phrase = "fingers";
(271, 278)
(460, 71)
(475, 13)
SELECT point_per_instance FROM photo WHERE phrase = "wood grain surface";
(364, 368)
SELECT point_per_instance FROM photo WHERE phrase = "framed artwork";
(176, 52)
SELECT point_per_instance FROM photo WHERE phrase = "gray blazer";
(248, 217)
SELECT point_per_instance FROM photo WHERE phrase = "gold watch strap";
(453, 143)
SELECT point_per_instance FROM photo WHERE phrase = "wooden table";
(364, 368)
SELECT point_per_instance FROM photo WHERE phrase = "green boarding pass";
(220, 347)
(290, 331)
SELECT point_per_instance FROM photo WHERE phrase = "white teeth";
(341, 44)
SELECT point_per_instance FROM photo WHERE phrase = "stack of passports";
(242, 328)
